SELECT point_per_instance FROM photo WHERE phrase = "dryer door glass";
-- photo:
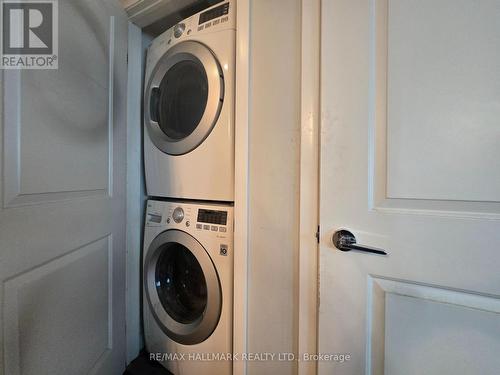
(182, 99)
(180, 284)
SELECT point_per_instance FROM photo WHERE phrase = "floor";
(143, 366)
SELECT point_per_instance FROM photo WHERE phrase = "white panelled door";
(410, 163)
(62, 208)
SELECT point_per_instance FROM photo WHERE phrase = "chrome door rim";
(183, 51)
(199, 330)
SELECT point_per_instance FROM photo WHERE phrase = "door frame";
(241, 187)
(135, 199)
(307, 268)
(308, 277)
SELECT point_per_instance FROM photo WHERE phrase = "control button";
(178, 215)
(224, 19)
(206, 227)
(222, 229)
(208, 24)
(199, 226)
(168, 220)
(215, 22)
(214, 228)
(201, 27)
(188, 223)
(189, 32)
(179, 29)
(223, 250)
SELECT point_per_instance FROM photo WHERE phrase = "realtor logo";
(29, 34)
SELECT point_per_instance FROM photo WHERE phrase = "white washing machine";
(188, 286)
(189, 108)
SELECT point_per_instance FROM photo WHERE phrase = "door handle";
(345, 241)
(154, 104)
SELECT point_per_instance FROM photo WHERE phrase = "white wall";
(134, 187)
(274, 181)
(136, 190)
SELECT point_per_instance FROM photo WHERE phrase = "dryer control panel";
(216, 18)
(213, 13)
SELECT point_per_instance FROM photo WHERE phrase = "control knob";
(178, 215)
(179, 29)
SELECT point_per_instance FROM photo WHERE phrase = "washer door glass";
(181, 99)
(180, 284)
(182, 287)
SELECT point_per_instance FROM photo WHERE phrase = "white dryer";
(189, 108)
(188, 286)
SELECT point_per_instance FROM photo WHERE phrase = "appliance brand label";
(29, 34)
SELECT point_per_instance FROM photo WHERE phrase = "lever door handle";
(345, 241)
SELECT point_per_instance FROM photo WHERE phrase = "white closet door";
(62, 208)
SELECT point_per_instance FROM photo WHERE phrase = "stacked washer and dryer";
(189, 165)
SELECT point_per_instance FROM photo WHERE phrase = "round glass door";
(183, 98)
(180, 284)
(182, 287)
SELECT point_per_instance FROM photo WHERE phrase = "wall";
(274, 181)
(139, 41)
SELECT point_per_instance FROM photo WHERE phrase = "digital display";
(212, 217)
(153, 218)
(214, 13)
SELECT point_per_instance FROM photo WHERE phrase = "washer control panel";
(168, 213)
(213, 219)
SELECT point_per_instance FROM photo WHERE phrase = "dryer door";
(183, 98)
(182, 287)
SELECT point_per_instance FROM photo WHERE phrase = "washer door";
(183, 98)
(182, 287)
